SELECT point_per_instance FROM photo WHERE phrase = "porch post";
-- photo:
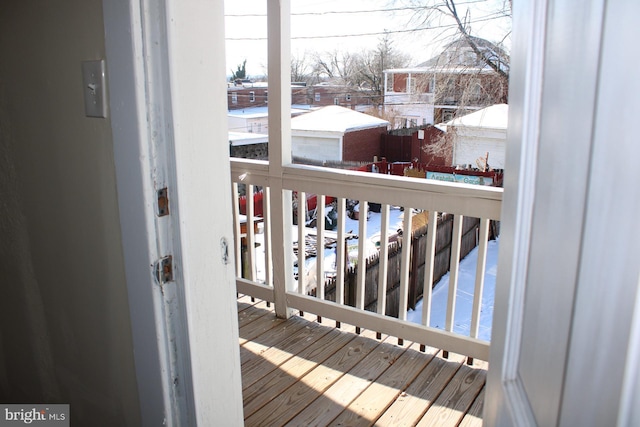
(279, 58)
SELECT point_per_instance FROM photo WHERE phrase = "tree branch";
(465, 33)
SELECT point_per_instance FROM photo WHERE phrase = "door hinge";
(163, 202)
(164, 269)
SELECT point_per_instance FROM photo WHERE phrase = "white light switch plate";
(93, 81)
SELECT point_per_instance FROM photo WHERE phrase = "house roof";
(492, 51)
(257, 112)
(247, 138)
(458, 57)
(494, 117)
(334, 118)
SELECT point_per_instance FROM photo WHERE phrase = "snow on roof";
(250, 112)
(334, 118)
(257, 112)
(494, 117)
(247, 138)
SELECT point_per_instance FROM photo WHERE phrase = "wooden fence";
(416, 274)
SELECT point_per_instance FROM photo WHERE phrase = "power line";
(333, 12)
(345, 12)
(375, 33)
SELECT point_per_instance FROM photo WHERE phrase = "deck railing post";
(279, 59)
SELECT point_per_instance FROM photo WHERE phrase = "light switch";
(93, 81)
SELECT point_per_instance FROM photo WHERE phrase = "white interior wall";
(64, 317)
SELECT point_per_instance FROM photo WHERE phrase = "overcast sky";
(357, 24)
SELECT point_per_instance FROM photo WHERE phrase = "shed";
(479, 133)
(335, 133)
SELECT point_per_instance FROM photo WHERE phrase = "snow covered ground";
(464, 296)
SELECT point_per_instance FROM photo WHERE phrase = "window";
(348, 97)
(252, 96)
(234, 98)
(447, 115)
(411, 84)
(476, 89)
(317, 97)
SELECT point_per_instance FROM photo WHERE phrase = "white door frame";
(166, 80)
(505, 391)
(567, 306)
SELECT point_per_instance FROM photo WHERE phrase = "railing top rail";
(401, 182)
(465, 199)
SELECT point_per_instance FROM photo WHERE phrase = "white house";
(454, 82)
(479, 133)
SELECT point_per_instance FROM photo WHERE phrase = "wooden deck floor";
(302, 373)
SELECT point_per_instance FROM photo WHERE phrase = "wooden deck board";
(283, 331)
(280, 352)
(301, 373)
(255, 321)
(311, 386)
(276, 382)
(420, 395)
(456, 399)
(379, 395)
(473, 418)
(343, 391)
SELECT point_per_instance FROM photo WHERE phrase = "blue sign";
(466, 179)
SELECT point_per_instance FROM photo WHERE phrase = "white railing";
(395, 98)
(268, 273)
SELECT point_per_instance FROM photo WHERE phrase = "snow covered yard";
(466, 277)
(464, 296)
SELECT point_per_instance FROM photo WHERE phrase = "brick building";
(244, 95)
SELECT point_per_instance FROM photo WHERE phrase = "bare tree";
(487, 56)
(391, 115)
(334, 65)
(300, 69)
(446, 15)
(370, 68)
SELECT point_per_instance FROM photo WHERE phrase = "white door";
(162, 56)
(565, 346)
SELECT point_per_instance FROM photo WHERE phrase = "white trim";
(501, 400)
(127, 95)
(405, 266)
(206, 240)
(607, 289)
(629, 413)
(279, 51)
(437, 338)
(454, 264)
(466, 199)
(157, 65)
(362, 254)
